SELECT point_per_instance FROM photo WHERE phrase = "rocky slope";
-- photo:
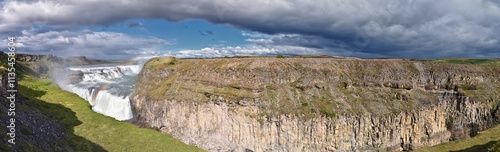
(36, 126)
(33, 130)
(315, 104)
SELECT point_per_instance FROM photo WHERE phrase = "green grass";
(327, 113)
(79, 121)
(161, 62)
(470, 61)
(3, 69)
(485, 141)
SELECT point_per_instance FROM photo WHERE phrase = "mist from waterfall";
(106, 88)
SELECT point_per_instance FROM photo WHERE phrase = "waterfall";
(106, 88)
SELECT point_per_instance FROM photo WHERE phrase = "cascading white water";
(107, 88)
(106, 73)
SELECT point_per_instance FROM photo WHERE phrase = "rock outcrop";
(73, 77)
(315, 104)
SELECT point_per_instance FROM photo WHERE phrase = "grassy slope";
(482, 142)
(107, 132)
(470, 61)
(488, 140)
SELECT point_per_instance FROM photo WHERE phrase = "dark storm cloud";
(394, 28)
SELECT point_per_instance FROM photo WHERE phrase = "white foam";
(113, 106)
(107, 73)
(104, 102)
(130, 70)
(96, 77)
(83, 93)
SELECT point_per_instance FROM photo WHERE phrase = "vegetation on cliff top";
(160, 62)
(470, 61)
(310, 86)
(485, 141)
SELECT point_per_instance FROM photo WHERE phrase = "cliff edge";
(315, 104)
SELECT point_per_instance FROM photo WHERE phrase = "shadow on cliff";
(481, 148)
(63, 116)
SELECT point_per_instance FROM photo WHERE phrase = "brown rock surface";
(315, 104)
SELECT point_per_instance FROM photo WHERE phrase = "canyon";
(315, 104)
(48, 118)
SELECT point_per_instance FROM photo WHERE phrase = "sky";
(124, 29)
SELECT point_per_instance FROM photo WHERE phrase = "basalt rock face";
(315, 104)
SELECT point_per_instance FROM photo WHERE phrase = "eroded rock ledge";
(315, 104)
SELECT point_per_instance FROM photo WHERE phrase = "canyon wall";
(315, 104)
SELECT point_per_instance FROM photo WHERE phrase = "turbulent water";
(107, 88)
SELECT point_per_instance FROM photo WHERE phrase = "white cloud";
(385, 27)
(85, 42)
(253, 34)
(255, 50)
(270, 45)
(242, 51)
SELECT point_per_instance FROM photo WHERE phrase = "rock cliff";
(315, 104)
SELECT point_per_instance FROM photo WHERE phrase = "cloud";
(241, 51)
(256, 50)
(394, 28)
(108, 45)
(135, 24)
(324, 45)
(270, 45)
